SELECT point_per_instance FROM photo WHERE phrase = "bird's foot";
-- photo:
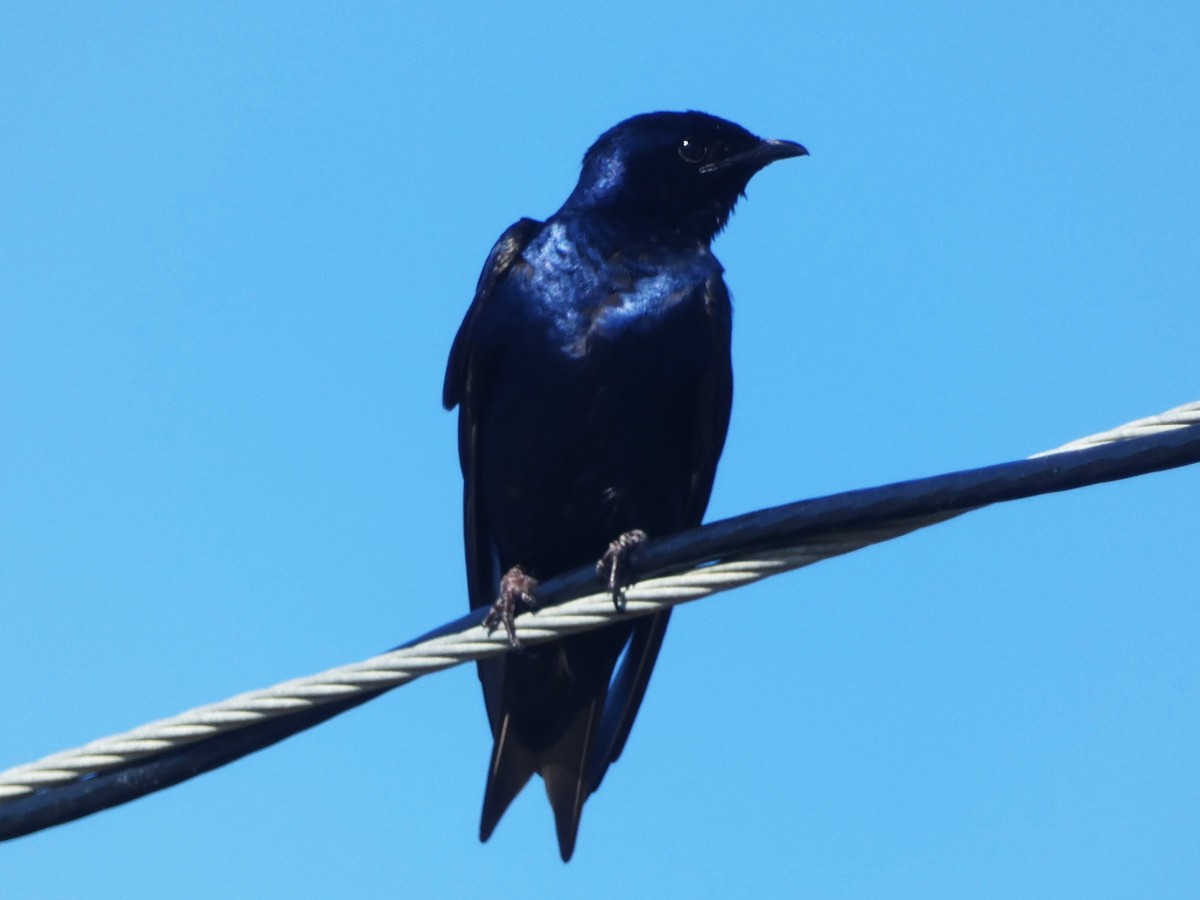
(516, 593)
(613, 567)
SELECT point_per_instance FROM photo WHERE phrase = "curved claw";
(615, 565)
(516, 593)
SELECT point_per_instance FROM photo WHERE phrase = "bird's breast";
(576, 304)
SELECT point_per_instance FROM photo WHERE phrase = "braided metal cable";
(1179, 417)
(405, 664)
(718, 568)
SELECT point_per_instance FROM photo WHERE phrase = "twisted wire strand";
(465, 641)
(1172, 419)
(405, 664)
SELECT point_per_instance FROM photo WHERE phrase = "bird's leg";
(613, 567)
(516, 591)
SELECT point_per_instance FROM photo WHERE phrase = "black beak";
(765, 153)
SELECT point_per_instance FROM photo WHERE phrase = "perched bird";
(592, 375)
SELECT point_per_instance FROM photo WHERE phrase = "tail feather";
(510, 769)
(625, 695)
(575, 763)
(564, 767)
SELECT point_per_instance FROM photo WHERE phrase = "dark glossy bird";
(592, 375)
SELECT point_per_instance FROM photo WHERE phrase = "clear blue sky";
(235, 243)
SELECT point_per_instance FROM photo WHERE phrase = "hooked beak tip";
(765, 153)
(785, 149)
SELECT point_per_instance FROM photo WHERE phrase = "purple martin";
(593, 380)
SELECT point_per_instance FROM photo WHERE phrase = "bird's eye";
(692, 150)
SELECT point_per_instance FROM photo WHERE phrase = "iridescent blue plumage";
(593, 379)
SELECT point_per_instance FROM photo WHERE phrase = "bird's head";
(674, 172)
